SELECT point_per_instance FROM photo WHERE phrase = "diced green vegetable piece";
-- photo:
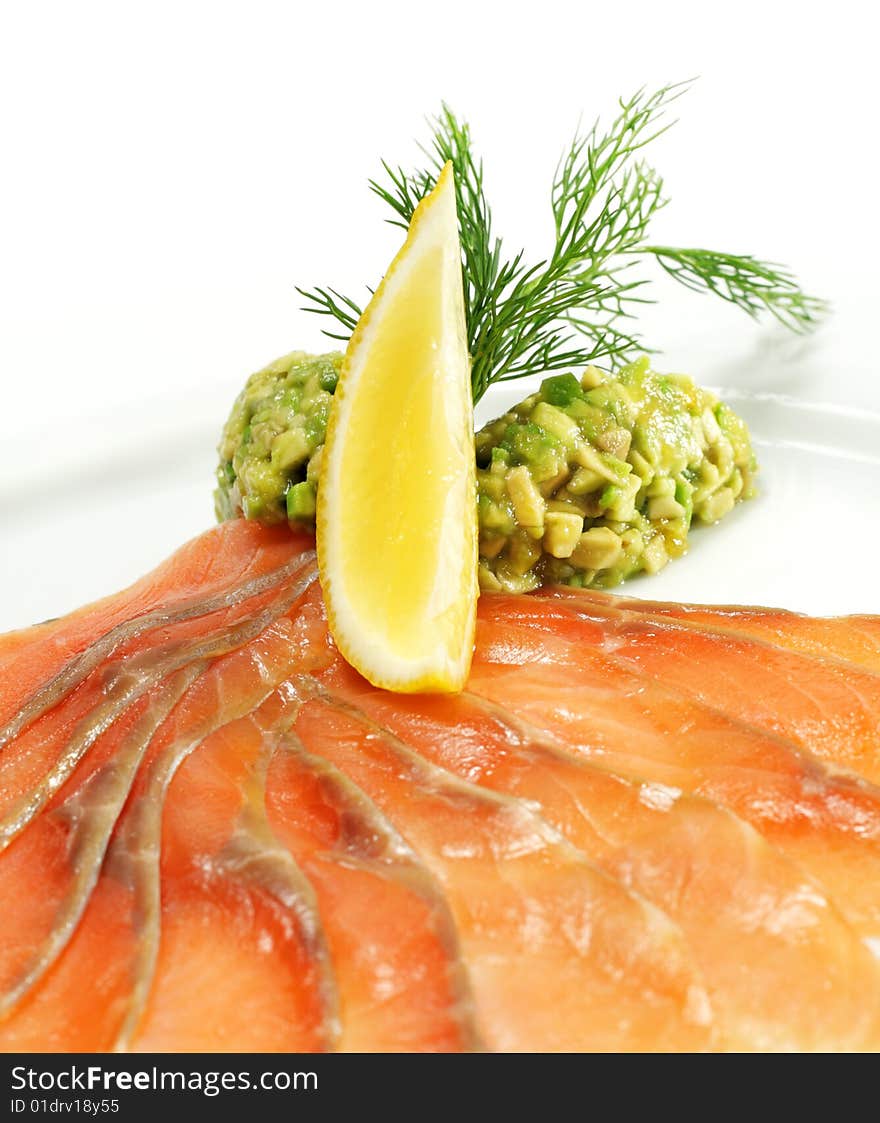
(561, 390)
(609, 496)
(717, 505)
(616, 442)
(559, 424)
(654, 556)
(316, 425)
(684, 495)
(598, 548)
(522, 553)
(608, 467)
(290, 449)
(491, 545)
(665, 507)
(492, 516)
(562, 531)
(592, 377)
(528, 503)
(621, 504)
(328, 378)
(584, 481)
(253, 506)
(301, 502)
(661, 486)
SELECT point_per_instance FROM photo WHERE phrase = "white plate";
(75, 531)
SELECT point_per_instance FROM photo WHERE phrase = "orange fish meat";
(214, 835)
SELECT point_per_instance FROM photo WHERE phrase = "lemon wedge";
(396, 519)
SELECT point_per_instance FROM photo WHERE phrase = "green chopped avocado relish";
(584, 483)
(270, 451)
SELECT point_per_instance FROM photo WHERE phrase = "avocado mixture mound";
(588, 482)
(584, 483)
(270, 451)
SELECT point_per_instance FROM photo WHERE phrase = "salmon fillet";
(737, 899)
(828, 706)
(853, 639)
(540, 664)
(241, 845)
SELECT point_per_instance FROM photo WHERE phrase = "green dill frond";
(329, 302)
(753, 285)
(578, 304)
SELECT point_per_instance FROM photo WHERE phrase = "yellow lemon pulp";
(396, 522)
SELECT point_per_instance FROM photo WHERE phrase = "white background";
(170, 171)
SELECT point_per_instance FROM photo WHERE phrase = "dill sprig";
(578, 305)
(753, 285)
